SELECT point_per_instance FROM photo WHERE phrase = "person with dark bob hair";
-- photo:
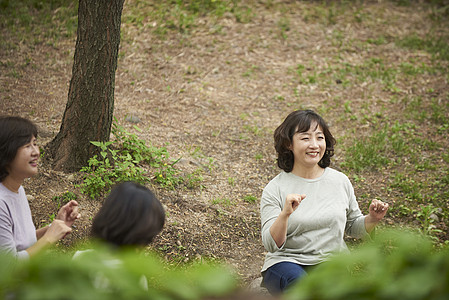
(131, 215)
(308, 208)
(300, 121)
(19, 156)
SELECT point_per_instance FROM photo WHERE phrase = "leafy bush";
(396, 265)
(102, 274)
(110, 168)
(124, 160)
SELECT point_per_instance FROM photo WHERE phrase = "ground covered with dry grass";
(210, 83)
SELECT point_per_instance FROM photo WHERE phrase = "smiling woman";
(308, 207)
(19, 156)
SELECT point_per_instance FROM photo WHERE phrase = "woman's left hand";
(377, 209)
(69, 213)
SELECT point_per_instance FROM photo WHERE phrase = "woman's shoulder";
(336, 175)
(273, 183)
(279, 178)
(281, 182)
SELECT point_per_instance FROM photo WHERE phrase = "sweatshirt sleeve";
(7, 243)
(270, 208)
(355, 224)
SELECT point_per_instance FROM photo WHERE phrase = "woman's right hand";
(278, 230)
(292, 202)
(57, 231)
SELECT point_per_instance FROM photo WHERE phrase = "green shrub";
(124, 160)
(102, 274)
(397, 265)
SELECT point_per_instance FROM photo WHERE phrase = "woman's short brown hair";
(300, 121)
(131, 215)
(14, 133)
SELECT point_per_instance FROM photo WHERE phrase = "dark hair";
(14, 133)
(131, 215)
(300, 121)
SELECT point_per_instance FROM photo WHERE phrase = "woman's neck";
(308, 173)
(12, 184)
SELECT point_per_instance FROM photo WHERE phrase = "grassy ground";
(209, 82)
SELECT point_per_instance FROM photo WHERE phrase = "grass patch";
(224, 202)
(437, 46)
(250, 199)
(182, 16)
(410, 162)
(39, 21)
(368, 153)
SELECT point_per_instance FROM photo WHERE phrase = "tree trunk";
(89, 111)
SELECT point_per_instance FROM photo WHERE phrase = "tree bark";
(89, 110)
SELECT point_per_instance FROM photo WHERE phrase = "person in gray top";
(307, 209)
(19, 155)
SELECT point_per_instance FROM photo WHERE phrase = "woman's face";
(308, 147)
(24, 164)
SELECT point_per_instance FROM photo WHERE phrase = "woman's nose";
(36, 150)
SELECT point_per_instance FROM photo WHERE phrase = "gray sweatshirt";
(316, 228)
(17, 230)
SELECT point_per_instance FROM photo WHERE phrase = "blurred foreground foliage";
(396, 265)
(102, 274)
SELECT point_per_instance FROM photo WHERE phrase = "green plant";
(428, 227)
(250, 199)
(254, 129)
(396, 265)
(106, 274)
(250, 71)
(108, 169)
(367, 152)
(435, 45)
(404, 210)
(284, 26)
(222, 202)
(377, 41)
(194, 179)
(410, 187)
(123, 160)
(258, 156)
(386, 146)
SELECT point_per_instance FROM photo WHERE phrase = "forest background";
(200, 88)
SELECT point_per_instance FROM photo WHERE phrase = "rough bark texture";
(90, 105)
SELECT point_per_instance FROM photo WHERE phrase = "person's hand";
(69, 213)
(57, 230)
(377, 210)
(292, 202)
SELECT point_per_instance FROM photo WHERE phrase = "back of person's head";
(131, 215)
(14, 133)
(300, 121)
